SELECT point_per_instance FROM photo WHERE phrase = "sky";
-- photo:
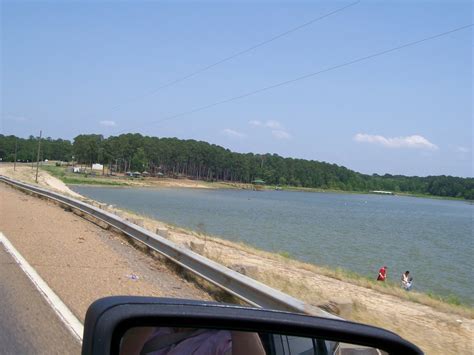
(76, 67)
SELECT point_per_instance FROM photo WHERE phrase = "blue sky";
(71, 67)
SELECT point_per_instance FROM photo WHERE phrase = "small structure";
(136, 174)
(97, 166)
(380, 192)
(258, 184)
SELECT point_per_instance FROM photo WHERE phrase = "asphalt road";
(28, 325)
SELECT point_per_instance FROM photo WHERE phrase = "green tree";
(139, 161)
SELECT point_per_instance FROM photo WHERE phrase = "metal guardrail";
(249, 290)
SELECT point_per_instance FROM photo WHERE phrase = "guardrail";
(249, 290)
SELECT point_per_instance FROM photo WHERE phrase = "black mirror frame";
(107, 320)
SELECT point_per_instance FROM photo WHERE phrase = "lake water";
(431, 238)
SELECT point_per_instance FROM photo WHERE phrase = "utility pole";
(38, 157)
(16, 148)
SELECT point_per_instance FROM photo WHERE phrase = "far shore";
(153, 182)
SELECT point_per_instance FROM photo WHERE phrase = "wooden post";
(38, 157)
(16, 148)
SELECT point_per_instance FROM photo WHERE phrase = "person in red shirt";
(382, 274)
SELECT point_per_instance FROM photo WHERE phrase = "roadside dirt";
(79, 260)
(27, 174)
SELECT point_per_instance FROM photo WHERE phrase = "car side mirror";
(146, 325)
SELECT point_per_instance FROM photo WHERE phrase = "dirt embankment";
(437, 330)
(27, 174)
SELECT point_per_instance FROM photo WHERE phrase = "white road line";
(67, 317)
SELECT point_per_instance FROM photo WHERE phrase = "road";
(79, 261)
(28, 325)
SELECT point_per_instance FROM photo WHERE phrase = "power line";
(338, 66)
(251, 48)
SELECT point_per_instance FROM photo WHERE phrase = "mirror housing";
(108, 319)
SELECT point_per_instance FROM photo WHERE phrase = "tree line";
(201, 160)
(53, 149)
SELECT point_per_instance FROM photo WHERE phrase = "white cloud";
(255, 123)
(462, 150)
(281, 134)
(276, 128)
(231, 133)
(273, 124)
(108, 123)
(413, 142)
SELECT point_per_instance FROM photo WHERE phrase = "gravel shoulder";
(79, 260)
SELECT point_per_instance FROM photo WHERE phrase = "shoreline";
(120, 181)
(266, 188)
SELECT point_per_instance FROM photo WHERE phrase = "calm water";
(431, 238)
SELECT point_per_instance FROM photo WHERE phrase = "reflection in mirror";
(171, 341)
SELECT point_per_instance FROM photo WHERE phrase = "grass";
(449, 303)
(450, 299)
(79, 179)
(89, 181)
(284, 254)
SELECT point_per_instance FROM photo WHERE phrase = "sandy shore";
(436, 329)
